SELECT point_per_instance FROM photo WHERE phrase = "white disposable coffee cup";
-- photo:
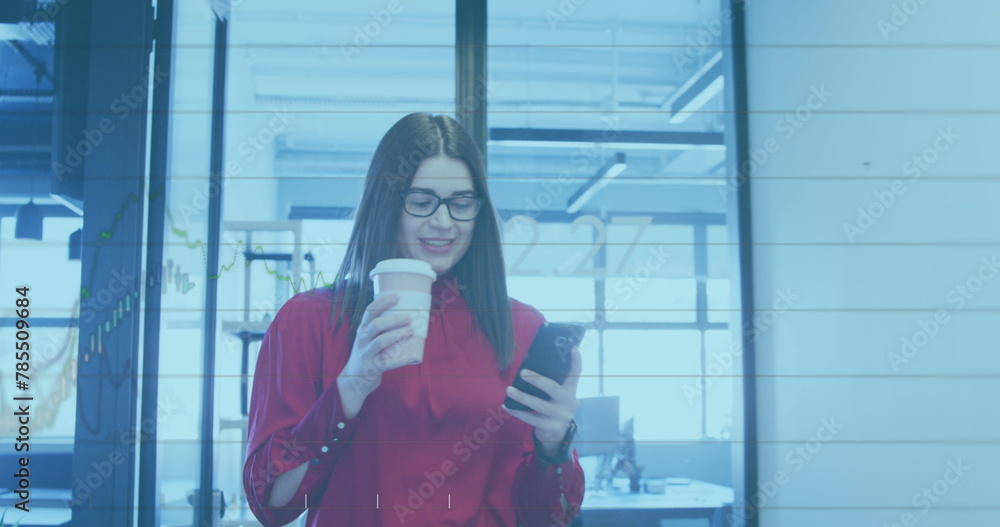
(410, 280)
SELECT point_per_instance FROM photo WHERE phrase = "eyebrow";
(456, 193)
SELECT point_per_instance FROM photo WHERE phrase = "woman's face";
(444, 177)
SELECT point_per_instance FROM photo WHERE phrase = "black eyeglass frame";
(440, 200)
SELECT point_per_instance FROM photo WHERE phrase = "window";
(578, 95)
(54, 291)
(649, 370)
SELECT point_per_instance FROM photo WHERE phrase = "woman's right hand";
(375, 351)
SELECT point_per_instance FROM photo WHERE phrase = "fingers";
(373, 311)
(393, 357)
(528, 417)
(375, 321)
(575, 369)
(543, 383)
(535, 403)
(564, 393)
(549, 417)
(548, 428)
(389, 339)
(385, 352)
(385, 323)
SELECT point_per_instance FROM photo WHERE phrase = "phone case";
(549, 355)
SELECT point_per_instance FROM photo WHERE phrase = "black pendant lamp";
(29, 222)
(76, 244)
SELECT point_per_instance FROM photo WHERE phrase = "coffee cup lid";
(403, 265)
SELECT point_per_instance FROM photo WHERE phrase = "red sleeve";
(541, 489)
(546, 494)
(292, 419)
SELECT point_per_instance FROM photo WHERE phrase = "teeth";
(436, 243)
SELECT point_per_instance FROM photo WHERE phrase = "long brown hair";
(480, 272)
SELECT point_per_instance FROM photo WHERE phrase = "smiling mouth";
(437, 243)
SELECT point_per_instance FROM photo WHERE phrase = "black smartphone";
(549, 355)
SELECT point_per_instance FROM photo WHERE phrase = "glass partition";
(608, 130)
(182, 272)
(607, 152)
(311, 88)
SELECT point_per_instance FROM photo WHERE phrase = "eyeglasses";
(423, 204)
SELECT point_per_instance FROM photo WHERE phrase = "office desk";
(695, 499)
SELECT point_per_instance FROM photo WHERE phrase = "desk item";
(635, 478)
(655, 486)
(625, 457)
(410, 280)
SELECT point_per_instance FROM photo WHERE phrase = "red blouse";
(431, 445)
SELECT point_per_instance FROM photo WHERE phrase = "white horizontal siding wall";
(891, 92)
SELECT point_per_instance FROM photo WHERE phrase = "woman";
(340, 425)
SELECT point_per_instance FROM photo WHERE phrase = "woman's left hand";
(550, 418)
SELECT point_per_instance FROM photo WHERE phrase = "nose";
(441, 219)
